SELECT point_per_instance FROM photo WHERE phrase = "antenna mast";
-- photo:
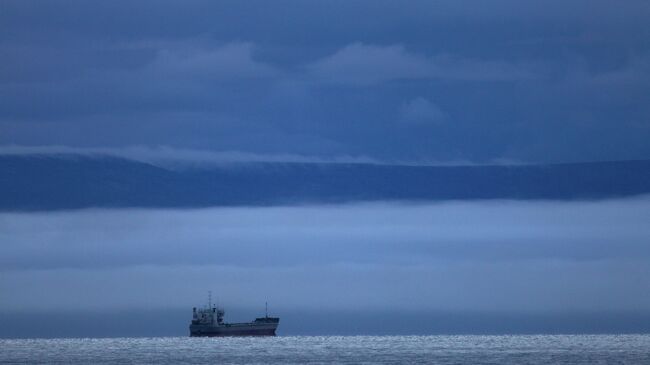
(209, 298)
(266, 309)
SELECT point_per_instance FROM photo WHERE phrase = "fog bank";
(469, 256)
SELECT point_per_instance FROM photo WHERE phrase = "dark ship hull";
(230, 331)
(233, 329)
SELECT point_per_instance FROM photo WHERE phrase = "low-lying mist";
(473, 256)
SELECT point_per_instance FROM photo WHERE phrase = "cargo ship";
(208, 322)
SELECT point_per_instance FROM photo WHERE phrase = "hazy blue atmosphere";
(455, 267)
(366, 167)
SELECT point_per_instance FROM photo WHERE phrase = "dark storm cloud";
(536, 81)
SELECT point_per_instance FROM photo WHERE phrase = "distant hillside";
(39, 182)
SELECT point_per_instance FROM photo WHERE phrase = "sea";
(474, 349)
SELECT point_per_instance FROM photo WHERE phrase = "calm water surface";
(597, 349)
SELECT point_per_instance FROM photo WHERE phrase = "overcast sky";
(427, 80)
(449, 81)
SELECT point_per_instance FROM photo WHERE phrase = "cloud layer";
(286, 80)
(515, 256)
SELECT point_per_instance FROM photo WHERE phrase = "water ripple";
(542, 349)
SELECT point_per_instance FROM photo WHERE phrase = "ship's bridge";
(209, 315)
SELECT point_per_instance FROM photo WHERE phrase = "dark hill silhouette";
(54, 182)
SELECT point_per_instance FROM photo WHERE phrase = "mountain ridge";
(73, 181)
